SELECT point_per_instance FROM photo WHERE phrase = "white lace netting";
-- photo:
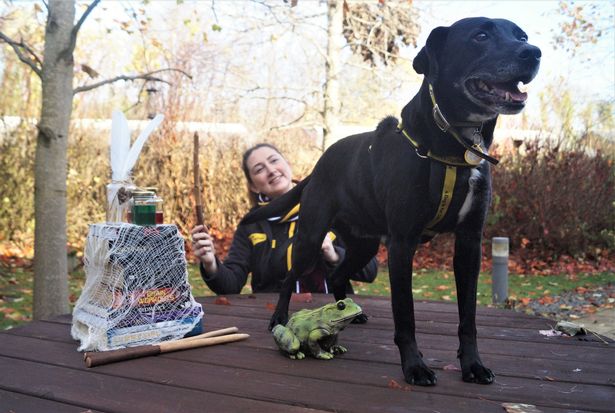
(136, 290)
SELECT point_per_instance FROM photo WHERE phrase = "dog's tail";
(279, 206)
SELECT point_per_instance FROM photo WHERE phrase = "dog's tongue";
(509, 91)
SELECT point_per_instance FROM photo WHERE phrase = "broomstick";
(200, 220)
(211, 338)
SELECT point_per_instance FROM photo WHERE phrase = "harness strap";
(450, 177)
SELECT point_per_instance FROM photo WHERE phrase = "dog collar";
(475, 152)
(425, 153)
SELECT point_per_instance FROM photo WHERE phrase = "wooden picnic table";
(41, 370)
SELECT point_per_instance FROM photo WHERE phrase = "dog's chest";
(475, 182)
(468, 194)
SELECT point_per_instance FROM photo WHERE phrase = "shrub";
(553, 200)
(549, 201)
(17, 184)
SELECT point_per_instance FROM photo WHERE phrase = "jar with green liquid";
(144, 208)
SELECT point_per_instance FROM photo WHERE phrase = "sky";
(590, 75)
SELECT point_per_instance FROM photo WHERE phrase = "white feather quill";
(120, 144)
(123, 157)
(135, 149)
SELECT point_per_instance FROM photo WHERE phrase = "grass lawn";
(16, 288)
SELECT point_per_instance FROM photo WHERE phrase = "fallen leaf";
(270, 306)
(393, 384)
(301, 298)
(222, 301)
(549, 378)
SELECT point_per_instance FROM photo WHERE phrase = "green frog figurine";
(315, 331)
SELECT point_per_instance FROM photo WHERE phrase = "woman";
(263, 248)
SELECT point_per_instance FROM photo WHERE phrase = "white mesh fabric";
(136, 290)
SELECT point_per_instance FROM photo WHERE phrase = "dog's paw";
(360, 319)
(278, 318)
(477, 373)
(421, 375)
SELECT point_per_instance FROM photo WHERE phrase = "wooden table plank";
(117, 394)
(528, 367)
(11, 402)
(224, 379)
(239, 376)
(551, 348)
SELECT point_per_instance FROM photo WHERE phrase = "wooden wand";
(200, 220)
(226, 335)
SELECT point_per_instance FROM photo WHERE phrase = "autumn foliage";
(555, 205)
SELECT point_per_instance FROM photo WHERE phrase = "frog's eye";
(341, 305)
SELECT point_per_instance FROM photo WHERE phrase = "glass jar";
(144, 207)
(159, 215)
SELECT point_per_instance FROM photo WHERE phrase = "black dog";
(428, 174)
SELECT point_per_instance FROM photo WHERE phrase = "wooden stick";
(200, 220)
(214, 333)
(99, 358)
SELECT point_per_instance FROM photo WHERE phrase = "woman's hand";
(328, 251)
(203, 248)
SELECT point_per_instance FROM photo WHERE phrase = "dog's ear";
(426, 62)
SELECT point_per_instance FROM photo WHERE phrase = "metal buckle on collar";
(419, 154)
(440, 120)
(477, 135)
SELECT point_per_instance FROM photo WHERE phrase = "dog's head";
(478, 63)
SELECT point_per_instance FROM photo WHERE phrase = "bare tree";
(332, 106)
(373, 31)
(55, 69)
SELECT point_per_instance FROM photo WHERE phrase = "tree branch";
(17, 47)
(77, 27)
(145, 76)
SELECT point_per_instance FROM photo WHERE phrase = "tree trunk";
(50, 267)
(335, 22)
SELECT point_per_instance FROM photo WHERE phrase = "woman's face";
(269, 172)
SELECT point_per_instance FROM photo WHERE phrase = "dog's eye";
(481, 37)
(523, 38)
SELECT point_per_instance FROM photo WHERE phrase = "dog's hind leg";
(467, 267)
(306, 251)
(401, 252)
(311, 230)
(280, 315)
(359, 252)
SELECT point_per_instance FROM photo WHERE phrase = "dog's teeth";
(508, 98)
(482, 85)
(522, 87)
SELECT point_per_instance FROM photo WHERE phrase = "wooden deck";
(41, 371)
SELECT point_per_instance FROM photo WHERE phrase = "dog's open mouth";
(497, 93)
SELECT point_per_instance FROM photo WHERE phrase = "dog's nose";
(530, 52)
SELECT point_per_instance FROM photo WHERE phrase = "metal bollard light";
(499, 254)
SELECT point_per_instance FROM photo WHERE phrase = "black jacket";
(262, 249)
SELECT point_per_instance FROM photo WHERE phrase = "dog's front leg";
(401, 253)
(467, 267)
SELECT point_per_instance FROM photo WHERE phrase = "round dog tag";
(472, 158)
